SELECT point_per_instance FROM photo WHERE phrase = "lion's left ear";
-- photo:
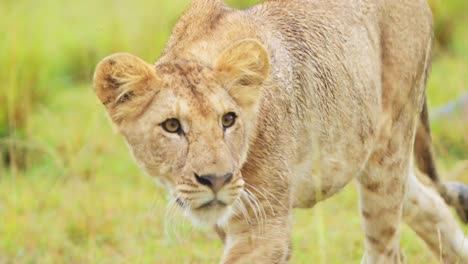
(243, 68)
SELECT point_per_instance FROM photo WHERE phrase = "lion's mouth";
(207, 212)
(211, 204)
(208, 205)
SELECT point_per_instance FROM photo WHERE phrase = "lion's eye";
(228, 119)
(171, 125)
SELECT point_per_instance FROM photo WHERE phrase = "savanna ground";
(69, 191)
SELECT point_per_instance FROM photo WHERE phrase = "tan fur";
(324, 91)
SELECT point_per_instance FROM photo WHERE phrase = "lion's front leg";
(267, 242)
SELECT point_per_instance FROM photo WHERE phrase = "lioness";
(250, 113)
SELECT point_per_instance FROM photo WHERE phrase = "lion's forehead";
(193, 88)
(189, 74)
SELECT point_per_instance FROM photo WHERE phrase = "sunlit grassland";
(79, 198)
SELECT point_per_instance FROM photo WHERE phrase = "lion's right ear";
(125, 84)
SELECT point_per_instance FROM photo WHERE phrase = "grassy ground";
(69, 191)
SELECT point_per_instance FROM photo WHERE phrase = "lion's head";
(188, 123)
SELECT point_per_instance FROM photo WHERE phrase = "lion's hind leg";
(429, 216)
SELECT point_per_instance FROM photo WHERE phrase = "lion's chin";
(210, 215)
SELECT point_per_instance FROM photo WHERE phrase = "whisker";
(167, 216)
(184, 220)
(260, 205)
(261, 210)
(176, 220)
(172, 223)
(274, 197)
(243, 210)
(249, 202)
(266, 199)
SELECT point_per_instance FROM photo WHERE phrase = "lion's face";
(188, 124)
(192, 137)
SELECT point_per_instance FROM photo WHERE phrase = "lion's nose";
(213, 181)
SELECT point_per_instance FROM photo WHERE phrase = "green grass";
(73, 194)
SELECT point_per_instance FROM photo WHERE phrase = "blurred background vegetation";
(69, 191)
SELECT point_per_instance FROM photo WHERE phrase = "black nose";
(213, 181)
